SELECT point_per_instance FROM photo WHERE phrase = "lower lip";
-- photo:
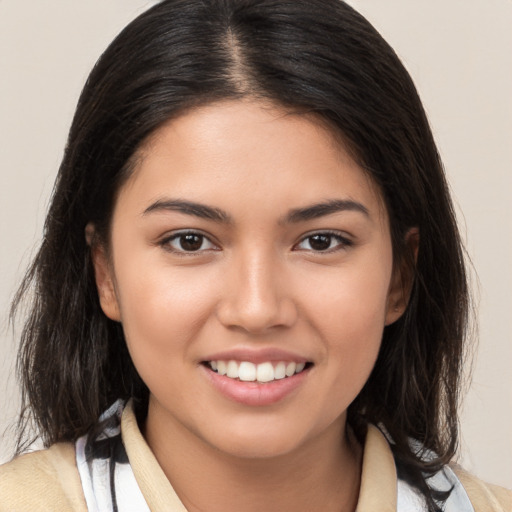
(255, 393)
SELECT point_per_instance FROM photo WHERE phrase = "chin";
(258, 438)
(261, 446)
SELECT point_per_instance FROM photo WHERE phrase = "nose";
(255, 297)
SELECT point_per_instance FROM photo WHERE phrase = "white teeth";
(221, 367)
(247, 371)
(280, 371)
(265, 372)
(232, 371)
(250, 372)
(290, 369)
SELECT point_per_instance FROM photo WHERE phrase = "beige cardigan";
(48, 480)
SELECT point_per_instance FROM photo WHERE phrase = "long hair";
(314, 56)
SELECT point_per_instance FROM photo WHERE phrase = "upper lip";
(257, 356)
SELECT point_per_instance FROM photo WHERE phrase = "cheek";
(351, 303)
(162, 309)
(351, 323)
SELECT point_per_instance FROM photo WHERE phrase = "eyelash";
(343, 242)
(166, 243)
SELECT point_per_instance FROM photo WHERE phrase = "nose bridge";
(256, 297)
(258, 282)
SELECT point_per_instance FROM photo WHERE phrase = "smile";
(246, 371)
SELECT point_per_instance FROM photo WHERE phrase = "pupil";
(191, 242)
(320, 242)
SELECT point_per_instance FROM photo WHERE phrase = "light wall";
(458, 52)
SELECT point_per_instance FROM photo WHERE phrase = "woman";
(250, 292)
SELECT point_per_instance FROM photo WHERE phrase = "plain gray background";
(458, 52)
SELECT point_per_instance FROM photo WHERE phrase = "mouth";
(265, 372)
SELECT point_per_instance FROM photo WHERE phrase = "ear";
(403, 278)
(103, 275)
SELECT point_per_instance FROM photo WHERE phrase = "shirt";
(117, 471)
(108, 465)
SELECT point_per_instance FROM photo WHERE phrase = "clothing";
(118, 471)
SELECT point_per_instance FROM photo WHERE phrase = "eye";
(187, 242)
(323, 242)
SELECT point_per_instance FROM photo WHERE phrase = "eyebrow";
(316, 211)
(190, 208)
(294, 216)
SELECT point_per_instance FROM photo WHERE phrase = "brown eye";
(188, 242)
(323, 242)
(320, 242)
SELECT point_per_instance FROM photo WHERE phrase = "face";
(248, 241)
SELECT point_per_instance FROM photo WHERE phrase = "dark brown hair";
(315, 56)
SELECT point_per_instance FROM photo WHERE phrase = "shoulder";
(465, 492)
(44, 480)
(484, 496)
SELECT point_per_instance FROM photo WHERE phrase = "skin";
(255, 283)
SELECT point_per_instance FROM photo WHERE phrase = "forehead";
(251, 153)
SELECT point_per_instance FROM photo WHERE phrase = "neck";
(323, 474)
